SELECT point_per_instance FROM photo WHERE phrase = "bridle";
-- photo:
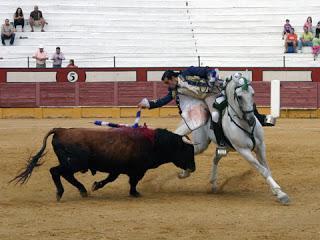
(250, 133)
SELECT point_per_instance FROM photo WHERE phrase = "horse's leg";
(69, 176)
(201, 140)
(261, 156)
(264, 171)
(214, 175)
(111, 177)
(55, 174)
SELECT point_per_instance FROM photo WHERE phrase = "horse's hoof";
(84, 194)
(95, 186)
(284, 199)
(135, 194)
(215, 189)
(183, 174)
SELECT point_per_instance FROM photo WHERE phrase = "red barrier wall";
(293, 94)
(119, 93)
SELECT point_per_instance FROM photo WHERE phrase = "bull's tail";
(32, 162)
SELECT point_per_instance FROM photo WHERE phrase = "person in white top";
(41, 57)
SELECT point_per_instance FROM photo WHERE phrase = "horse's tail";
(32, 162)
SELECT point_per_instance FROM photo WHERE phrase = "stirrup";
(270, 121)
(221, 151)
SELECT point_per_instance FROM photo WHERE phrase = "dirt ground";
(170, 208)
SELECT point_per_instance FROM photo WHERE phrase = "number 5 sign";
(72, 76)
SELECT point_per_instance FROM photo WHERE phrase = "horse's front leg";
(261, 156)
(265, 172)
(214, 175)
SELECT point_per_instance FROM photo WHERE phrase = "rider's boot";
(265, 120)
(269, 121)
(221, 149)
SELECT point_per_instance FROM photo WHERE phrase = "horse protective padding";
(194, 112)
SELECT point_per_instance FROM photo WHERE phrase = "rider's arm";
(161, 101)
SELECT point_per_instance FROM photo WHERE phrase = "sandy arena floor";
(169, 208)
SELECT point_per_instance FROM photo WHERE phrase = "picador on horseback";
(201, 83)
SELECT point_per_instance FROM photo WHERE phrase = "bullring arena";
(120, 50)
(169, 208)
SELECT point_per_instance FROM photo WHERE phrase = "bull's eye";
(240, 98)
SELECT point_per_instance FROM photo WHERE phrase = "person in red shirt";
(71, 64)
(291, 40)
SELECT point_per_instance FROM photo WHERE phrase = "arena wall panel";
(299, 95)
(18, 95)
(31, 77)
(291, 76)
(61, 94)
(132, 93)
(93, 94)
(111, 98)
(103, 76)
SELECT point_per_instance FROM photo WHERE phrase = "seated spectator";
(18, 19)
(291, 41)
(41, 57)
(305, 39)
(71, 64)
(7, 32)
(286, 28)
(308, 24)
(316, 42)
(57, 58)
(36, 19)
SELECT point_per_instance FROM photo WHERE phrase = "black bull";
(114, 151)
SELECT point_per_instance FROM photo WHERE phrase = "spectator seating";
(162, 32)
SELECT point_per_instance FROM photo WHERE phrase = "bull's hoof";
(135, 194)
(59, 196)
(95, 186)
(183, 174)
(84, 194)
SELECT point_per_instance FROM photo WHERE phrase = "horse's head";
(241, 93)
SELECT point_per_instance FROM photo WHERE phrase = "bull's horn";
(186, 140)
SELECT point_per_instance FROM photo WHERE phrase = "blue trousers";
(304, 44)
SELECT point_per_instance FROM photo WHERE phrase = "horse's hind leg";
(56, 173)
(214, 175)
(111, 177)
(264, 171)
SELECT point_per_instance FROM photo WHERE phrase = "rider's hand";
(144, 104)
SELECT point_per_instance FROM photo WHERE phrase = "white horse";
(244, 132)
